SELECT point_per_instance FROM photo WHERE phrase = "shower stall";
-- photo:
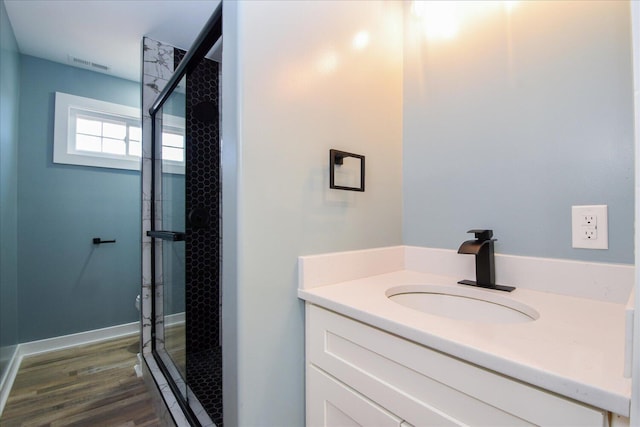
(181, 253)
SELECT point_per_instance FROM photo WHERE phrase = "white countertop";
(575, 348)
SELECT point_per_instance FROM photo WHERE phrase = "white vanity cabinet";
(360, 375)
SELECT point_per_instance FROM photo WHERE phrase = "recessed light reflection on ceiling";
(360, 40)
(442, 19)
(509, 4)
(377, 40)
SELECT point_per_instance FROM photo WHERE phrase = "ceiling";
(104, 32)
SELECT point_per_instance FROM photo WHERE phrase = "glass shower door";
(169, 158)
(186, 231)
(173, 218)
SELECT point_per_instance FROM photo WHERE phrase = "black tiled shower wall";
(202, 243)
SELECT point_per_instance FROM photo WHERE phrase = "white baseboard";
(81, 338)
(59, 343)
(174, 319)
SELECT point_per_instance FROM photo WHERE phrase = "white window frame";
(64, 144)
(64, 150)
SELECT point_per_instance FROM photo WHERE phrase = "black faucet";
(482, 248)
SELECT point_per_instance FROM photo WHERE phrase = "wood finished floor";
(91, 385)
(175, 345)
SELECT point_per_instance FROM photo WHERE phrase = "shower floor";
(205, 379)
(203, 370)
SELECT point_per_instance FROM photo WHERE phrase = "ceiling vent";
(79, 62)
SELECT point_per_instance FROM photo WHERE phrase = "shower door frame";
(209, 35)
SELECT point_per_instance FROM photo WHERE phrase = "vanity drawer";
(331, 403)
(420, 384)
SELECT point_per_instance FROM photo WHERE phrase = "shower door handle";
(174, 236)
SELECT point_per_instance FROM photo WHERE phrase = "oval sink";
(462, 304)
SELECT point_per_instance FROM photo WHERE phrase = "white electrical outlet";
(589, 220)
(589, 225)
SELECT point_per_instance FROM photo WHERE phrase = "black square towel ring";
(336, 158)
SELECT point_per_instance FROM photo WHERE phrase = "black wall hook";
(98, 241)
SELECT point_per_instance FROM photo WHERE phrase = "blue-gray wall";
(173, 263)
(9, 104)
(515, 119)
(282, 113)
(67, 284)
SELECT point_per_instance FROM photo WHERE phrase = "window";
(173, 144)
(104, 135)
(90, 132)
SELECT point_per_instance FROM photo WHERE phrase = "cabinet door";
(330, 403)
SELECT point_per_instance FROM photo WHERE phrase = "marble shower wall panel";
(156, 71)
(169, 414)
(158, 61)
